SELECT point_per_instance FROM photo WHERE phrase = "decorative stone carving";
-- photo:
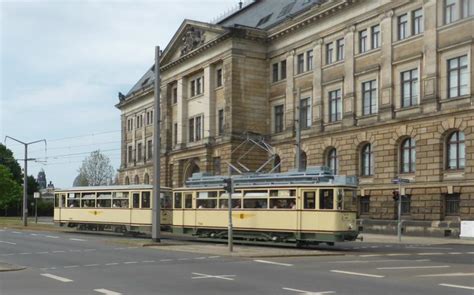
(192, 39)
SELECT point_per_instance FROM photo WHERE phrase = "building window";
(409, 88)
(195, 129)
(197, 86)
(139, 152)
(362, 41)
(305, 113)
(303, 161)
(402, 26)
(130, 124)
(340, 49)
(127, 180)
(408, 156)
(335, 106)
(130, 154)
(220, 124)
(175, 133)
(364, 204)
(174, 94)
(467, 8)
(309, 60)
(451, 205)
(191, 130)
(217, 166)
(406, 204)
(458, 77)
(193, 88)
(369, 95)
(137, 181)
(450, 11)
(300, 63)
(219, 77)
(198, 132)
(329, 53)
(146, 179)
(332, 160)
(417, 18)
(367, 160)
(150, 149)
(456, 151)
(375, 36)
(283, 69)
(277, 164)
(275, 72)
(278, 116)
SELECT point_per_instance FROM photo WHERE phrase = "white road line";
(148, 261)
(71, 266)
(453, 274)
(183, 259)
(455, 253)
(25, 253)
(376, 261)
(59, 251)
(9, 254)
(166, 260)
(61, 279)
(107, 292)
(120, 248)
(272, 262)
(42, 252)
(89, 250)
(74, 250)
(370, 255)
(434, 248)
(457, 286)
(89, 265)
(132, 247)
(430, 253)
(16, 232)
(79, 240)
(205, 276)
(357, 273)
(398, 254)
(199, 258)
(470, 252)
(5, 242)
(34, 235)
(52, 237)
(414, 267)
(308, 292)
(130, 262)
(112, 263)
(213, 257)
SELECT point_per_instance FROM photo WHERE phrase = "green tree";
(7, 159)
(96, 169)
(10, 190)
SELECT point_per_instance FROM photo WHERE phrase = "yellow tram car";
(120, 208)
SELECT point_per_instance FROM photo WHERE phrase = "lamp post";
(399, 181)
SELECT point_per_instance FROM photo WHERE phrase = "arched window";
(456, 156)
(332, 160)
(408, 156)
(137, 180)
(303, 161)
(277, 164)
(127, 180)
(367, 160)
(146, 180)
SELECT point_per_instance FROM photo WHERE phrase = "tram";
(118, 208)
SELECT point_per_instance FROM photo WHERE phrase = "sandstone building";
(381, 89)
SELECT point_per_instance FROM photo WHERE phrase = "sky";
(62, 64)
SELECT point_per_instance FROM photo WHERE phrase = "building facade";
(379, 89)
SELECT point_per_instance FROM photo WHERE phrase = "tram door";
(307, 216)
(135, 205)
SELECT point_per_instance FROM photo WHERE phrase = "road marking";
(71, 266)
(61, 279)
(453, 274)
(52, 237)
(148, 261)
(16, 232)
(107, 292)
(434, 248)
(112, 263)
(42, 252)
(89, 250)
(272, 262)
(183, 259)
(370, 255)
(308, 292)
(198, 258)
(455, 253)
(59, 251)
(166, 259)
(430, 253)
(372, 261)
(470, 252)
(132, 247)
(205, 276)
(88, 265)
(9, 254)
(414, 267)
(25, 253)
(74, 250)
(213, 257)
(457, 286)
(79, 240)
(357, 273)
(5, 242)
(34, 235)
(398, 254)
(130, 262)
(120, 248)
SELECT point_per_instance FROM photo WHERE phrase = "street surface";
(68, 263)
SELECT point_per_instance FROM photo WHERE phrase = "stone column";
(386, 91)
(349, 96)
(182, 111)
(210, 109)
(429, 81)
(317, 103)
(290, 95)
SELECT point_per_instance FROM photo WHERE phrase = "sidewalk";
(378, 238)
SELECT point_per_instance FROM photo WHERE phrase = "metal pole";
(25, 188)
(230, 230)
(156, 218)
(298, 131)
(36, 210)
(399, 229)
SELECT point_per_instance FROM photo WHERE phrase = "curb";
(6, 267)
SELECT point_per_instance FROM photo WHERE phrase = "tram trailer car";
(309, 207)
(118, 208)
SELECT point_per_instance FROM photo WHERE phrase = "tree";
(96, 169)
(7, 160)
(80, 180)
(10, 190)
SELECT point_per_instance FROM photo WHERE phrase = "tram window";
(206, 203)
(63, 201)
(256, 194)
(166, 202)
(309, 200)
(88, 200)
(326, 199)
(224, 204)
(178, 200)
(136, 200)
(283, 203)
(188, 201)
(255, 203)
(74, 200)
(206, 195)
(56, 200)
(340, 199)
(104, 199)
(145, 199)
(120, 203)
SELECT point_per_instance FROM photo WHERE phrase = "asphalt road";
(66, 263)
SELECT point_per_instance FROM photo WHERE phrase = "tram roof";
(312, 175)
(129, 187)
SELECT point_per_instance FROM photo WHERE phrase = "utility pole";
(298, 131)
(229, 188)
(25, 175)
(156, 211)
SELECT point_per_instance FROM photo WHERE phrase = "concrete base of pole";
(156, 240)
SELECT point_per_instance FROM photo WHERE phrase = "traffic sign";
(37, 195)
(400, 180)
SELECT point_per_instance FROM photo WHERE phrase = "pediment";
(190, 36)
